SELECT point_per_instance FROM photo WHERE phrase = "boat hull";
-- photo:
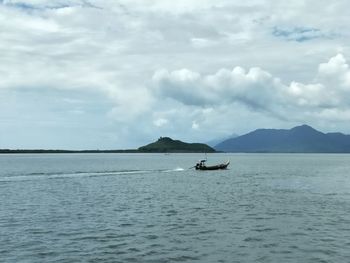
(214, 167)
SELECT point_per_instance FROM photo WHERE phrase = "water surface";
(152, 208)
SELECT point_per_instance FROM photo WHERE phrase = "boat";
(202, 166)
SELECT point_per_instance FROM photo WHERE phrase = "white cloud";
(254, 88)
(202, 42)
(335, 72)
(258, 90)
(160, 122)
(195, 125)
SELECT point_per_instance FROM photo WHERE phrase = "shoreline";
(42, 151)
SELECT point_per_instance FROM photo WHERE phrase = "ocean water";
(152, 208)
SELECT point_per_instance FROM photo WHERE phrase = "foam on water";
(47, 176)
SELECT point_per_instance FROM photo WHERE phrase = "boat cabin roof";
(203, 161)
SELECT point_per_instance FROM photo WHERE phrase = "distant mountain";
(300, 139)
(166, 144)
(215, 142)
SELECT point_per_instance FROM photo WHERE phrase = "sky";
(118, 74)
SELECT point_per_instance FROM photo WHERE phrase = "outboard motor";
(197, 166)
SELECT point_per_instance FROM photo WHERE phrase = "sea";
(156, 208)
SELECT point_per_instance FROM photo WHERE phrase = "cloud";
(31, 5)
(175, 67)
(160, 122)
(255, 88)
(300, 34)
(258, 89)
(335, 73)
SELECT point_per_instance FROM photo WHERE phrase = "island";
(168, 145)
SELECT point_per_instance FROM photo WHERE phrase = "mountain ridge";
(299, 139)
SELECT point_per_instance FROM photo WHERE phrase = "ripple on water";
(253, 239)
(171, 212)
(262, 230)
(182, 258)
(270, 245)
(126, 224)
(151, 237)
(116, 245)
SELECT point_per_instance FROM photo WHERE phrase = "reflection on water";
(152, 208)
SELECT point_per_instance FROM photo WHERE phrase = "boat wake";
(178, 169)
(78, 174)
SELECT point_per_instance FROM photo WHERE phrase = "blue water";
(152, 208)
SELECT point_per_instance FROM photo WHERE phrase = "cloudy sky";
(112, 74)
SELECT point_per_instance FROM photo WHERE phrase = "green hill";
(166, 144)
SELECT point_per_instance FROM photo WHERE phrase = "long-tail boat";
(202, 166)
